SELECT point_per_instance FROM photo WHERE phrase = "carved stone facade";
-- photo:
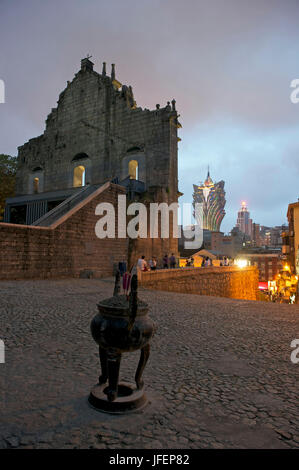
(94, 135)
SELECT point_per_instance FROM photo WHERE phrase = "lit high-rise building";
(243, 221)
(212, 197)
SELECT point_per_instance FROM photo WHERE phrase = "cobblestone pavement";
(219, 374)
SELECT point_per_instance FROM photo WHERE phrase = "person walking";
(165, 262)
(172, 261)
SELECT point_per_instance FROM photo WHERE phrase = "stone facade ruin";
(94, 135)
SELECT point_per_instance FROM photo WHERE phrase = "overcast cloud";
(228, 63)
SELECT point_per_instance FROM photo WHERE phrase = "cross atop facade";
(88, 56)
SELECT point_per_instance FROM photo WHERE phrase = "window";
(35, 185)
(133, 169)
(79, 176)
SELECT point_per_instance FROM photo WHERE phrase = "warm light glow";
(35, 185)
(79, 176)
(243, 203)
(133, 169)
(286, 267)
(272, 286)
(241, 263)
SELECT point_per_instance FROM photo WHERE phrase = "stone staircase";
(53, 215)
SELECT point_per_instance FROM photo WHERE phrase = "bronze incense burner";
(122, 325)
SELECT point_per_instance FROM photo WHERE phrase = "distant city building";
(290, 237)
(212, 196)
(225, 245)
(243, 221)
(256, 234)
(269, 264)
(271, 236)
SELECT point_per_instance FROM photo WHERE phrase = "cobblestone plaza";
(219, 374)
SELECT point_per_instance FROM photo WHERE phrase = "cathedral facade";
(96, 134)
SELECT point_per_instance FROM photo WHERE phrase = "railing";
(50, 217)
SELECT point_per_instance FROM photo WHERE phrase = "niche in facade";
(133, 169)
(35, 185)
(79, 176)
(133, 165)
(36, 181)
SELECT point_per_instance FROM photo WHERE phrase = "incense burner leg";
(114, 359)
(144, 355)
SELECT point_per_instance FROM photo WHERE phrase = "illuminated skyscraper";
(243, 221)
(212, 197)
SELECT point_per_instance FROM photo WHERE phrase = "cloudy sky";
(228, 64)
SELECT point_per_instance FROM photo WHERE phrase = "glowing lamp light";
(241, 263)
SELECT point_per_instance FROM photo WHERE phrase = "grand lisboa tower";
(212, 197)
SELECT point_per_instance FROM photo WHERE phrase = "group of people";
(206, 261)
(143, 265)
(169, 262)
(151, 265)
(224, 262)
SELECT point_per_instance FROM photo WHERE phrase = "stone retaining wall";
(230, 281)
(69, 247)
(65, 249)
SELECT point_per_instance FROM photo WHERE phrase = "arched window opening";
(133, 170)
(80, 156)
(134, 149)
(35, 185)
(79, 176)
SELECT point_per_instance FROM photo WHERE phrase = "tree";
(8, 169)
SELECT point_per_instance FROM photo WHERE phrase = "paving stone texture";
(219, 374)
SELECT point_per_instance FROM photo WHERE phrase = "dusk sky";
(228, 64)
